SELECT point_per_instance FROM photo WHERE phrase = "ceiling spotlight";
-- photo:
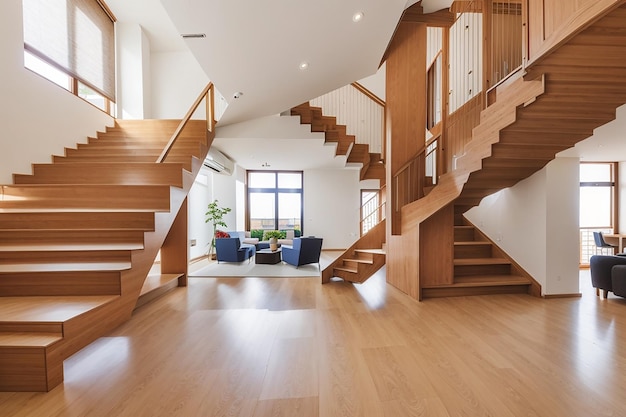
(304, 65)
(357, 17)
(237, 94)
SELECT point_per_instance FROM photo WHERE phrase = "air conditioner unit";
(218, 162)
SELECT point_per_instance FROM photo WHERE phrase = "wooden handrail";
(208, 93)
(369, 94)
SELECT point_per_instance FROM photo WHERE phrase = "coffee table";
(266, 256)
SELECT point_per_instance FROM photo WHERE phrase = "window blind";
(76, 36)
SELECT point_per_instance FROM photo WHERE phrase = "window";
(71, 43)
(370, 210)
(597, 204)
(274, 200)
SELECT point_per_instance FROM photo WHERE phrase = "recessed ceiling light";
(357, 17)
(304, 65)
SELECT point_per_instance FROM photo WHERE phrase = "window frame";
(276, 191)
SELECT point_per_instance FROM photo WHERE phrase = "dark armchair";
(618, 280)
(601, 267)
(305, 250)
(230, 249)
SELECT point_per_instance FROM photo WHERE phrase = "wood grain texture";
(365, 350)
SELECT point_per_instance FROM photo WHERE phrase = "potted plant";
(215, 215)
(272, 236)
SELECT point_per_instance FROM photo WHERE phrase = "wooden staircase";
(373, 166)
(480, 268)
(78, 239)
(570, 92)
(361, 260)
(366, 256)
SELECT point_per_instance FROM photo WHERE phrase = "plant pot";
(273, 244)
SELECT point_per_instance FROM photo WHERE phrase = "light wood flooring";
(295, 348)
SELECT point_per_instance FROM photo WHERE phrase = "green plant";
(215, 215)
(271, 233)
(256, 233)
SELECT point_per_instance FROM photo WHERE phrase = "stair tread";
(64, 267)
(30, 339)
(361, 261)
(473, 243)
(374, 251)
(155, 281)
(346, 269)
(49, 309)
(484, 281)
(70, 247)
(481, 261)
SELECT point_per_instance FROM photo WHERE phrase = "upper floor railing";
(208, 96)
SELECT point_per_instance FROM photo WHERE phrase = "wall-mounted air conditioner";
(218, 162)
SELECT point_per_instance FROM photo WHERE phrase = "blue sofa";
(305, 250)
(230, 249)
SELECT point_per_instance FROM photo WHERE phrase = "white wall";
(177, 80)
(38, 118)
(376, 83)
(208, 187)
(133, 76)
(536, 223)
(331, 206)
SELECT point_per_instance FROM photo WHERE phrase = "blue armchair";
(230, 249)
(305, 250)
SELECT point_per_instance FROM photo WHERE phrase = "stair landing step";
(156, 285)
(49, 309)
(485, 281)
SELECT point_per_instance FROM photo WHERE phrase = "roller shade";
(76, 36)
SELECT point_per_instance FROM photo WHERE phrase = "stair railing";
(372, 213)
(360, 110)
(208, 95)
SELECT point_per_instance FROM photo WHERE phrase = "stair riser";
(64, 256)
(60, 284)
(115, 174)
(96, 197)
(74, 237)
(465, 270)
(468, 252)
(76, 221)
(25, 362)
(471, 291)
(464, 235)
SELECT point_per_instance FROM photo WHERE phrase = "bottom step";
(479, 285)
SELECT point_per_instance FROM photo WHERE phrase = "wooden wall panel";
(536, 30)
(403, 262)
(436, 237)
(406, 103)
(551, 22)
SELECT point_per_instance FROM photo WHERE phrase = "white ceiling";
(257, 50)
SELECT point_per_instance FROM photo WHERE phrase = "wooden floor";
(295, 348)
